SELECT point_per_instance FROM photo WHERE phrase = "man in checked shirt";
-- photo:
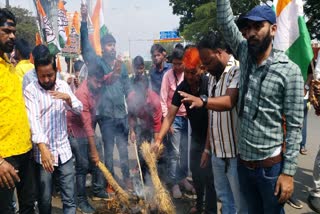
(271, 86)
(47, 101)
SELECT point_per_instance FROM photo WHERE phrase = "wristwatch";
(204, 99)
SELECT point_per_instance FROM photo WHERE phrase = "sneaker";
(293, 202)
(188, 187)
(101, 196)
(85, 208)
(314, 203)
(303, 151)
(176, 193)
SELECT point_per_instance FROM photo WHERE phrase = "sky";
(128, 21)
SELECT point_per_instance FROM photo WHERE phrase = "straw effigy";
(162, 196)
(120, 193)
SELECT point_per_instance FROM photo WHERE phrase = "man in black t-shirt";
(195, 83)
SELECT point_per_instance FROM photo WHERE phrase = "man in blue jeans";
(47, 101)
(112, 115)
(86, 149)
(271, 86)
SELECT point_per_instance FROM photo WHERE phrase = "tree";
(26, 24)
(198, 16)
(312, 10)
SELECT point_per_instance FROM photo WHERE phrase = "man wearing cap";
(112, 114)
(22, 54)
(270, 86)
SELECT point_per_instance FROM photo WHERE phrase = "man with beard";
(47, 102)
(221, 104)
(16, 164)
(196, 83)
(271, 86)
(86, 149)
(112, 115)
(159, 68)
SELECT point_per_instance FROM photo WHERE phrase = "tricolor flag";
(50, 37)
(292, 34)
(63, 26)
(99, 27)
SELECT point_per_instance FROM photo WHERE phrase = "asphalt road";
(303, 177)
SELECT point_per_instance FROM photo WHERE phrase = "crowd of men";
(243, 99)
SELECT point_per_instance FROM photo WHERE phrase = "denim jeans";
(80, 149)
(113, 131)
(202, 179)
(305, 122)
(65, 178)
(178, 151)
(259, 186)
(227, 185)
(25, 188)
(316, 177)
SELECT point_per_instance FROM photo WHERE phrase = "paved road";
(303, 177)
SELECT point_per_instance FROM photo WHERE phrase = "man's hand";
(117, 66)
(84, 12)
(94, 156)
(284, 187)
(47, 158)
(195, 102)
(204, 160)
(155, 146)
(133, 137)
(60, 95)
(8, 175)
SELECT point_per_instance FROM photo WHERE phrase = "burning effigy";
(128, 203)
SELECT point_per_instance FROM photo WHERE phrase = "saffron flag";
(38, 39)
(292, 34)
(46, 26)
(99, 27)
(63, 26)
(76, 22)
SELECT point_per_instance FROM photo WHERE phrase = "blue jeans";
(80, 149)
(305, 122)
(25, 188)
(65, 179)
(178, 151)
(259, 185)
(227, 185)
(203, 181)
(113, 131)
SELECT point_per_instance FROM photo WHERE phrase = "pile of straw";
(162, 196)
(120, 193)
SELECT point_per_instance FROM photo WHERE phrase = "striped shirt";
(48, 119)
(272, 92)
(222, 125)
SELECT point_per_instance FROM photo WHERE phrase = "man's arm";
(86, 48)
(293, 111)
(228, 27)
(38, 135)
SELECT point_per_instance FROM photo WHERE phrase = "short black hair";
(212, 41)
(137, 61)
(107, 38)
(157, 47)
(23, 47)
(179, 45)
(42, 56)
(95, 70)
(141, 84)
(6, 14)
(177, 53)
(78, 65)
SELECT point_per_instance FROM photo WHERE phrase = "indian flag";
(99, 27)
(46, 26)
(292, 34)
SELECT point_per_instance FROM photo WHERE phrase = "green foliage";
(198, 18)
(312, 10)
(203, 24)
(26, 24)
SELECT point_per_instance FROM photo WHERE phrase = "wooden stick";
(140, 171)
